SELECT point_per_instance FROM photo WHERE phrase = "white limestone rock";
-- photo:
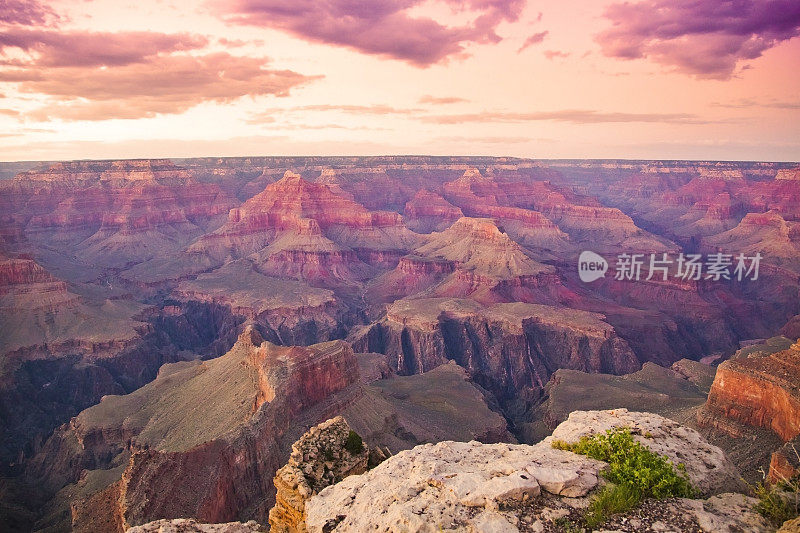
(707, 467)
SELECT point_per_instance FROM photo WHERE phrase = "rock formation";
(784, 463)
(510, 349)
(760, 391)
(324, 455)
(115, 214)
(428, 212)
(62, 352)
(287, 205)
(187, 446)
(188, 525)
(288, 312)
(503, 487)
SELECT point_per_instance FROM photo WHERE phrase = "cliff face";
(287, 312)
(510, 349)
(113, 213)
(224, 442)
(784, 463)
(62, 352)
(760, 391)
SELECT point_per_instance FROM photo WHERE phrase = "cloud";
(98, 76)
(705, 39)
(536, 38)
(552, 54)
(749, 103)
(441, 100)
(27, 13)
(486, 140)
(375, 109)
(575, 116)
(385, 28)
(92, 49)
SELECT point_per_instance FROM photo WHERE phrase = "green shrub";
(635, 473)
(354, 444)
(630, 463)
(779, 503)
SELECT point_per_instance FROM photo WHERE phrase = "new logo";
(591, 266)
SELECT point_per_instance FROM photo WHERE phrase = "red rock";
(286, 205)
(113, 213)
(761, 392)
(428, 211)
(224, 442)
(784, 463)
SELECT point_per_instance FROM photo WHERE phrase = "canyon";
(164, 322)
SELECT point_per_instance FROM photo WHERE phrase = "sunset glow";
(572, 79)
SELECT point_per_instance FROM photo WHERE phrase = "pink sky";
(660, 79)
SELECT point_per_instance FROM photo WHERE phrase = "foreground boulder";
(327, 453)
(189, 525)
(453, 486)
(706, 465)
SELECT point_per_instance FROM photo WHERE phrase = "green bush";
(630, 463)
(354, 444)
(635, 473)
(779, 503)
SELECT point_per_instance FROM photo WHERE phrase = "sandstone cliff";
(195, 447)
(760, 391)
(510, 349)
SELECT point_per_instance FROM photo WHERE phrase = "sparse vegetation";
(565, 525)
(780, 502)
(328, 454)
(611, 499)
(634, 473)
(354, 444)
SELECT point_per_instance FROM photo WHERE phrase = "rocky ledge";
(189, 525)
(325, 454)
(453, 486)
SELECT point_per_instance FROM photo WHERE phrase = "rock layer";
(761, 391)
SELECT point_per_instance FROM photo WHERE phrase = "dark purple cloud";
(703, 38)
(378, 27)
(536, 38)
(26, 13)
